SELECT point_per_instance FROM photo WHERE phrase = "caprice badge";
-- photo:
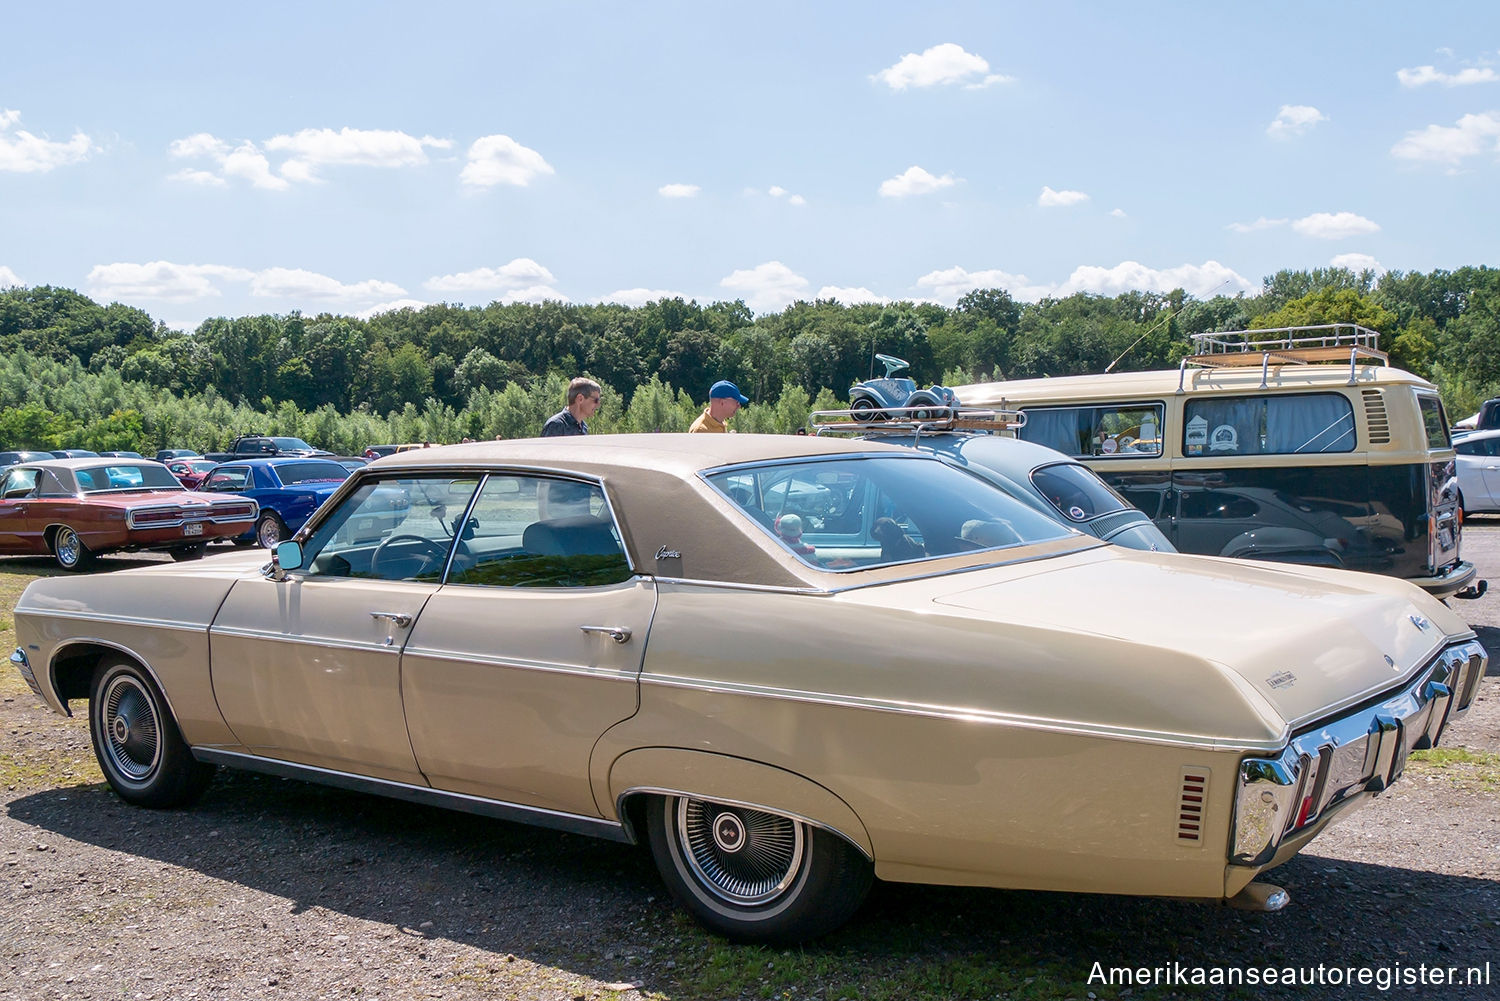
(668, 554)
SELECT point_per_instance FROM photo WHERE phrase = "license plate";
(193, 528)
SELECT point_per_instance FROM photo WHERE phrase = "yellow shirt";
(705, 422)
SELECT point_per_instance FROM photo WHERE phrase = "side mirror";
(289, 555)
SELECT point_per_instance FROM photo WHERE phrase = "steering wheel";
(425, 553)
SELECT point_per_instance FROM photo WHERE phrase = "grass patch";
(1461, 766)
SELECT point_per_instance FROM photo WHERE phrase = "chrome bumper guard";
(23, 665)
(1360, 752)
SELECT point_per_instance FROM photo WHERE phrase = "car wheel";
(188, 553)
(270, 530)
(69, 551)
(139, 747)
(755, 876)
(925, 400)
(865, 410)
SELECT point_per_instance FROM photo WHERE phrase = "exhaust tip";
(1262, 897)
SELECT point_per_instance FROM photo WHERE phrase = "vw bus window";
(1105, 430)
(1268, 425)
(1435, 421)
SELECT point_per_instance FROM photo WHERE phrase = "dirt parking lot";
(276, 889)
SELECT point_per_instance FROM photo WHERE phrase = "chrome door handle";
(396, 618)
(620, 634)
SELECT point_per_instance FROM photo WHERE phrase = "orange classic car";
(75, 509)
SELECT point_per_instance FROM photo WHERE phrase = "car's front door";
(17, 520)
(308, 669)
(531, 650)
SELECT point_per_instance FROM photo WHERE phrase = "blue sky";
(201, 160)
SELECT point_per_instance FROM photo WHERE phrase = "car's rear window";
(311, 472)
(126, 476)
(1076, 492)
(861, 512)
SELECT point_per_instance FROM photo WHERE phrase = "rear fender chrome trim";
(572, 823)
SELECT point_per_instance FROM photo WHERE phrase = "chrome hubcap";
(744, 856)
(67, 546)
(270, 534)
(131, 734)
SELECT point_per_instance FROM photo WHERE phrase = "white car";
(1479, 471)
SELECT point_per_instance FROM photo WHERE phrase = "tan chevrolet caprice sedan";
(788, 664)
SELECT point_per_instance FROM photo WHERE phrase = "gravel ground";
(276, 889)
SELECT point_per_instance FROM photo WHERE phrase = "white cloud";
(9, 277)
(1357, 263)
(678, 190)
(948, 285)
(1472, 136)
(535, 293)
(1293, 120)
(1419, 76)
(766, 287)
(915, 181)
(295, 283)
(203, 177)
(518, 273)
(1203, 280)
(307, 151)
(391, 307)
(1051, 199)
(942, 64)
(640, 296)
(1117, 213)
(499, 159)
(161, 280)
(1259, 224)
(1334, 225)
(777, 191)
(24, 153)
(852, 296)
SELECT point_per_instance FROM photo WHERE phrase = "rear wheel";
(270, 530)
(188, 553)
(69, 551)
(865, 410)
(139, 747)
(752, 875)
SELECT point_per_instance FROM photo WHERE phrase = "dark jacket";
(563, 423)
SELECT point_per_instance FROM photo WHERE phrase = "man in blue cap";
(724, 399)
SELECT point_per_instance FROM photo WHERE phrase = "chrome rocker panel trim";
(572, 823)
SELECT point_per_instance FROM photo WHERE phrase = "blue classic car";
(893, 397)
(288, 489)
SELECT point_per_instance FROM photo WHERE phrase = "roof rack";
(1312, 345)
(919, 420)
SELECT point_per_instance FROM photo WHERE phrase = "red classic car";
(78, 508)
(191, 471)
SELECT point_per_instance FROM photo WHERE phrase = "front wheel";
(69, 551)
(139, 747)
(755, 876)
(865, 409)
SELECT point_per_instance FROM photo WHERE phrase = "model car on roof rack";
(882, 399)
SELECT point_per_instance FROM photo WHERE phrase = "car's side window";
(396, 528)
(228, 480)
(532, 531)
(18, 483)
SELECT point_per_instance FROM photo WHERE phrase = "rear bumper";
(1449, 582)
(1282, 801)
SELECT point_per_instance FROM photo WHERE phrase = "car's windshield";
(316, 471)
(292, 445)
(855, 513)
(126, 476)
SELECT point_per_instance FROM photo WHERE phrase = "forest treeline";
(74, 373)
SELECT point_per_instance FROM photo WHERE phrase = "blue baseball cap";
(726, 390)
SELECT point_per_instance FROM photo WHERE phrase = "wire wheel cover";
(131, 730)
(69, 548)
(746, 857)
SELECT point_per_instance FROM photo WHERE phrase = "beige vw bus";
(1297, 444)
